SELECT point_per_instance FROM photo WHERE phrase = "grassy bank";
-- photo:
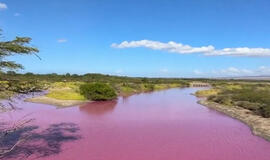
(245, 101)
(61, 92)
(64, 94)
(66, 88)
(251, 96)
(65, 91)
(10, 87)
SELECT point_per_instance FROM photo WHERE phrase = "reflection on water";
(123, 100)
(163, 125)
(98, 108)
(39, 143)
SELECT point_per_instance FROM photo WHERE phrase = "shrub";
(265, 111)
(149, 87)
(221, 99)
(4, 85)
(207, 93)
(25, 86)
(127, 90)
(254, 97)
(98, 91)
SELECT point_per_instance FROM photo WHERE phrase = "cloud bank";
(232, 71)
(3, 6)
(180, 48)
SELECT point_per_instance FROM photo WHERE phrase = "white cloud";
(17, 14)
(243, 51)
(3, 6)
(170, 46)
(180, 48)
(62, 40)
(232, 71)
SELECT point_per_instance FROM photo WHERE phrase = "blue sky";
(77, 36)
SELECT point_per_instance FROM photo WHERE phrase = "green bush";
(4, 85)
(221, 99)
(98, 91)
(254, 97)
(149, 87)
(25, 86)
(265, 111)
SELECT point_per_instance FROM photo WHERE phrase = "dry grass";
(207, 93)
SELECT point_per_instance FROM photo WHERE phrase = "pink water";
(164, 125)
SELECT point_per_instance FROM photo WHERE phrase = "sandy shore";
(260, 126)
(55, 102)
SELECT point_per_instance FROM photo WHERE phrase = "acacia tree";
(18, 46)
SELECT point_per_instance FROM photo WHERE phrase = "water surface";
(164, 125)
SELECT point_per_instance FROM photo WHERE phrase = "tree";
(11, 73)
(98, 91)
(18, 46)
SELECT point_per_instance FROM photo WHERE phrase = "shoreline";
(43, 99)
(259, 126)
(55, 102)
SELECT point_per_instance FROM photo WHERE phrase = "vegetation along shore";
(245, 101)
(69, 90)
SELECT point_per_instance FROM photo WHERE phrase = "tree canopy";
(18, 46)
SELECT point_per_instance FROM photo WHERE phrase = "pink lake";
(163, 125)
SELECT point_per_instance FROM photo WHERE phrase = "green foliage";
(144, 80)
(4, 92)
(66, 85)
(161, 86)
(128, 88)
(149, 87)
(98, 91)
(12, 73)
(4, 85)
(265, 111)
(207, 93)
(222, 99)
(16, 46)
(254, 97)
(25, 86)
(21, 86)
(255, 107)
(89, 78)
(124, 86)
